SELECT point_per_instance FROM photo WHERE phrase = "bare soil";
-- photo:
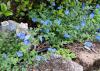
(90, 60)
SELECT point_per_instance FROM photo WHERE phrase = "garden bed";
(49, 35)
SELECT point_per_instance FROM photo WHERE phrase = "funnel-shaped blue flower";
(34, 19)
(92, 15)
(26, 42)
(97, 6)
(39, 58)
(53, 4)
(66, 12)
(83, 23)
(60, 7)
(83, 5)
(19, 53)
(21, 35)
(52, 50)
(66, 35)
(88, 44)
(97, 37)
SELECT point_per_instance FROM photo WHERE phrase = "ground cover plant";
(56, 24)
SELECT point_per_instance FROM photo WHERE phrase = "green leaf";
(22, 13)
(0, 13)
(16, 0)
(8, 5)
(42, 15)
(14, 60)
(8, 13)
(3, 7)
(26, 2)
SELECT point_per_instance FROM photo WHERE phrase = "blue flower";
(53, 4)
(26, 42)
(46, 22)
(97, 37)
(92, 15)
(83, 5)
(97, 6)
(34, 19)
(42, 22)
(52, 50)
(21, 35)
(38, 58)
(83, 23)
(88, 44)
(27, 37)
(50, 6)
(66, 12)
(47, 30)
(58, 21)
(66, 35)
(19, 53)
(4, 55)
(44, 30)
(60, 7)
(84, 17)
(77, 27)
(98, 30)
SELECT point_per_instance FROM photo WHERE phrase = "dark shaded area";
(96, 65)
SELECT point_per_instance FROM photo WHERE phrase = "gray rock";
(11, 25)
(59, 64)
